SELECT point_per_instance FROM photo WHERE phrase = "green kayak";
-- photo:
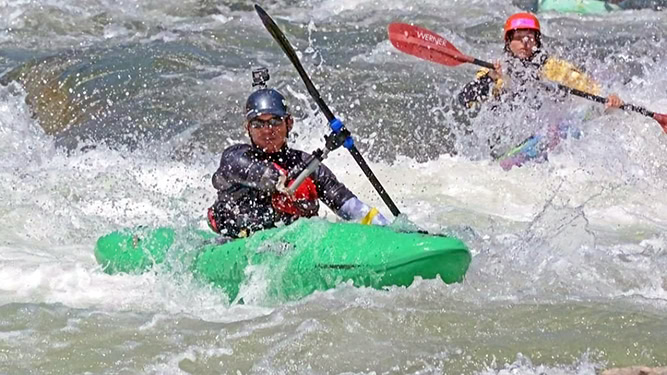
(309, 255)
(576, 6)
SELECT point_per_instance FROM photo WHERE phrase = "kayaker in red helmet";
(523, 42)
(525, 61)
(252, 178)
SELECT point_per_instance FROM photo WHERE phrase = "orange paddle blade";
(425, 44)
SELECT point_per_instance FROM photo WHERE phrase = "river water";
(113, 114)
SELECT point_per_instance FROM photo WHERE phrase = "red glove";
(302, 203)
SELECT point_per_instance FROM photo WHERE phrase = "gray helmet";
(266, 101)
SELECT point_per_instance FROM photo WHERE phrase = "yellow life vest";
(559, 71)
(567, 74)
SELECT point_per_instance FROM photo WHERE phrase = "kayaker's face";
(523, 44)
(269, 132)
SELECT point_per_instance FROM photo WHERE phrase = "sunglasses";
(272, 122)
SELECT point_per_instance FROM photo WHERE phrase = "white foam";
(528, 226)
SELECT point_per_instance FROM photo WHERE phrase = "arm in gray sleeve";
(476, 92)
(332, 192)
(238, 166)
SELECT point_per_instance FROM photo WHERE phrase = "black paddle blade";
(279, 37)
(286, 46)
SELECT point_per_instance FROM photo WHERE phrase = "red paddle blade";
(662, 119)
(425, 44)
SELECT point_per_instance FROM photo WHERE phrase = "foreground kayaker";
(252, 178)
(525, 62)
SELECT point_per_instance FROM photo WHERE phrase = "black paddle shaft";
(595, 98)
(279, 37)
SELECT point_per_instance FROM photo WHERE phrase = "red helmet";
(520, 21)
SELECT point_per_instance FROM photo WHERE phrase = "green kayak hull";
(309, 255)
(576, 6)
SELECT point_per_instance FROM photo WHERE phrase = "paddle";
(336, 125)
(428, 45)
